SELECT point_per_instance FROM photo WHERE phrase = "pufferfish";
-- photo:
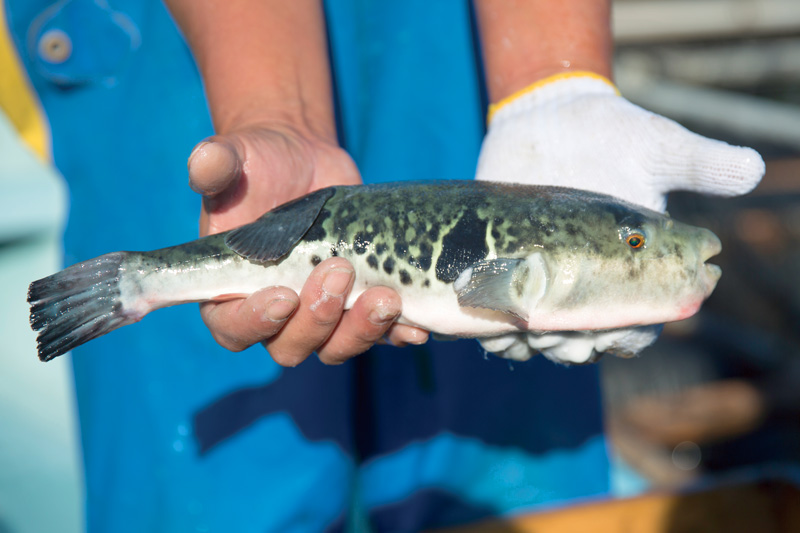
(523, 269)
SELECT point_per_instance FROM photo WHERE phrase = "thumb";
(708, 166)
(214, 165)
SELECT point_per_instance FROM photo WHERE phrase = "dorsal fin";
(274, 234)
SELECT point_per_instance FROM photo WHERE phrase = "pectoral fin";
(274, 234)
(511, 286)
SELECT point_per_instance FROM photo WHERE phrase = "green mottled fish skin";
(417, 231)
(422, 231)
(418, 237)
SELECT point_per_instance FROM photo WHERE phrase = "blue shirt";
(180, 435)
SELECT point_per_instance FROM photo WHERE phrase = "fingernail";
(382, 314)
(195, 151)
(280, 309)
(192, 184)
(337, 281)
(416, 336)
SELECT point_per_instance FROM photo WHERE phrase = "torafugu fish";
(522, 268)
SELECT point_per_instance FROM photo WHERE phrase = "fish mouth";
(711, 247)
(713, 273)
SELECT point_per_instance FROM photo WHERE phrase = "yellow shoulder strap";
(18, 99)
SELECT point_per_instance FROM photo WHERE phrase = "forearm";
(526, 40)
(261, 61)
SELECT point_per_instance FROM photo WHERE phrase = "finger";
(362, 326)
(708, 166)
(240, 323)
(321, 305)
(214, 165)
(402, 335)
(723, 170)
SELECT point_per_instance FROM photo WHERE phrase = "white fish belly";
(434, 308)
(437, 309)
(214, 280)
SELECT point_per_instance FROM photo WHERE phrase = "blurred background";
(712, 408)
(717, 399)
(40, 481)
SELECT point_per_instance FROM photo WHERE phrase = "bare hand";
(247, 172)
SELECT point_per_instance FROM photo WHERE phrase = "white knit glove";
(575, 130)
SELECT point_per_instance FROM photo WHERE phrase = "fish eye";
(635, 240)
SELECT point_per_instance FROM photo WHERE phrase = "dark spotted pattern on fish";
(462, 246)
(372, 261)
(455, 225)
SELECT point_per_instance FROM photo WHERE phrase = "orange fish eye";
(635, 240)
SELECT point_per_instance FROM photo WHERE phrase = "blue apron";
(180, 435)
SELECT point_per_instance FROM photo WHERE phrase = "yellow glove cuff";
(494, 108)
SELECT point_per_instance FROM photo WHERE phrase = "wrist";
(564, 84)
(533, 72)
(263, 112)
(524, 41)
(262, 62)
(281, 91)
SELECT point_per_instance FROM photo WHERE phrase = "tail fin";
(77, 305)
